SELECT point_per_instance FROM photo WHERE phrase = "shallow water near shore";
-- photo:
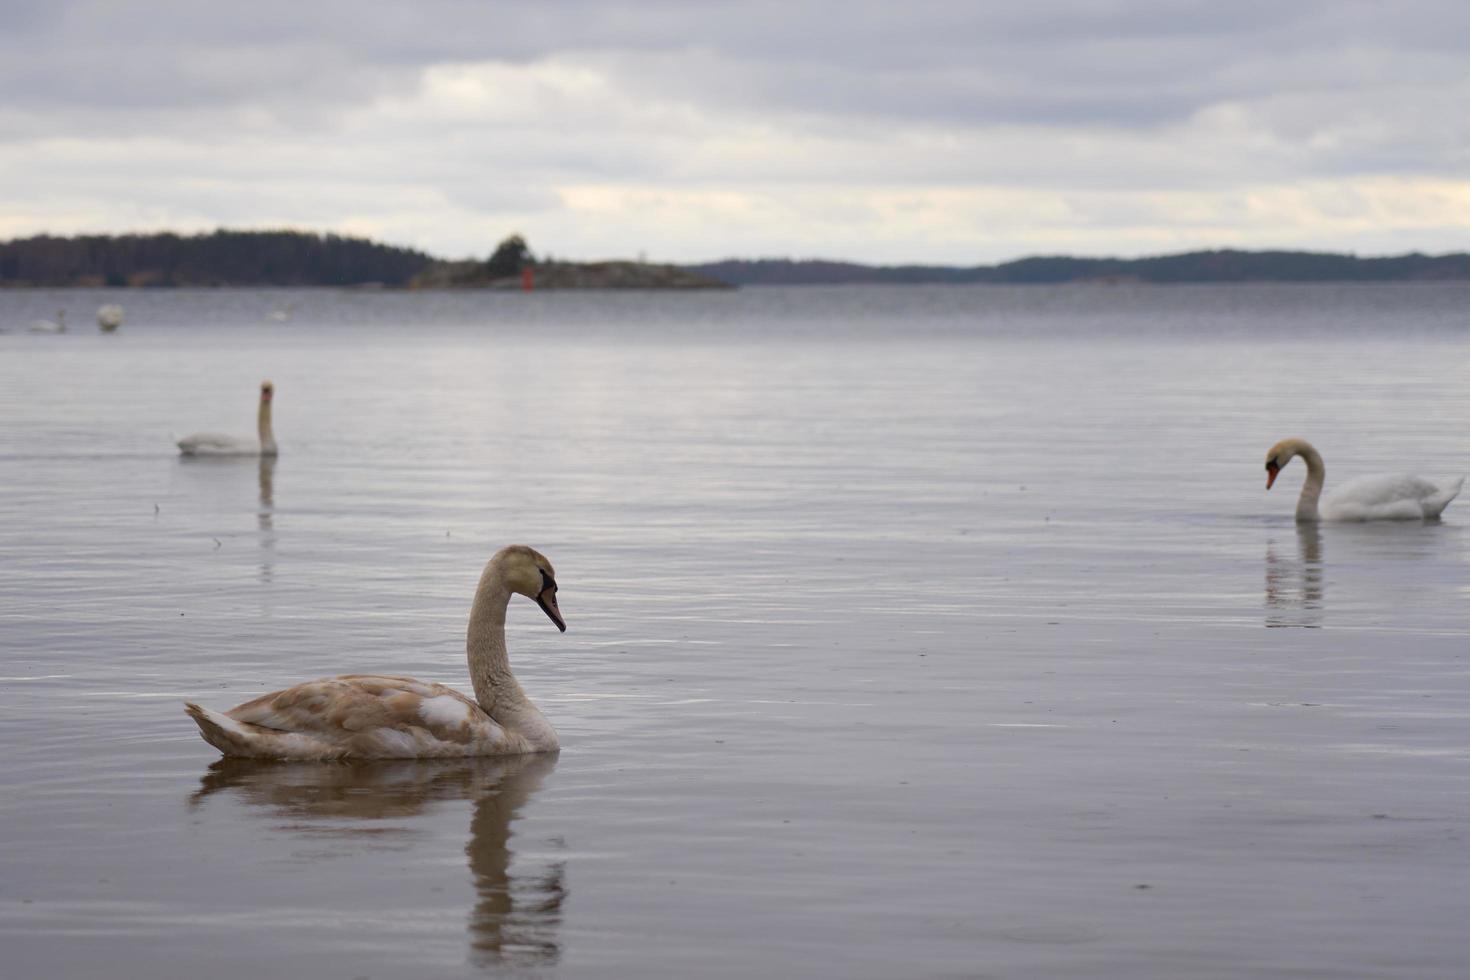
(912, 632)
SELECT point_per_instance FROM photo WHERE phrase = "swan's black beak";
(1271, 470)
(547, 601)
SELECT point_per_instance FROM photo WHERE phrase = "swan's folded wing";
(405, 715)
(216, 443)
(1371, 490)
(1395, 497)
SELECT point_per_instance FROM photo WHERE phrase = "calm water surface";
(912, 633)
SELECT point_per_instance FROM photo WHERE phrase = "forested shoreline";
(295, 258)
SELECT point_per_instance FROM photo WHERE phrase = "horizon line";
(298, 230)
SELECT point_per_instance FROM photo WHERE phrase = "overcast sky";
(947, 132)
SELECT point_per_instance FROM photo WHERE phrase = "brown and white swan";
(1366, 498)
(372, 716)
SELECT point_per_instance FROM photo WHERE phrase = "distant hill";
(1215, 266)
(220, 258)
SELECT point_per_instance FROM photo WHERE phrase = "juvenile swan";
(1367, 498)
(369, 716)
(214, 444)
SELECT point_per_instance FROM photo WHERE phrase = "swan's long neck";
(1306, 504)
(263, 425)
(496, 688)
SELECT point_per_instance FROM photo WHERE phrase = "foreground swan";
(214, 444)
(1367, 498)
(368, 716)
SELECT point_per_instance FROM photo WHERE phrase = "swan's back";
(217, 444)
(366, 716)
(1389, 498)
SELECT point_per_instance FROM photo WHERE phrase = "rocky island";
(512, 266)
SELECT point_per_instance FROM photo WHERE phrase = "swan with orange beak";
(1366, 498)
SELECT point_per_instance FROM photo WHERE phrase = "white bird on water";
(109, 317)
(51, 326)
(1366, 498)
(215, 444)
(372, 716)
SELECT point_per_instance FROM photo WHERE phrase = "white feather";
(445, 711)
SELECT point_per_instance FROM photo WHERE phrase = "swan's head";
(526, 570)
(1279, 455)
(267, 391)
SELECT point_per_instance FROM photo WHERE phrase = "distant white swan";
(371, 716)
(109, 317)
(50, 326)
(214, 444)
(1367, 498)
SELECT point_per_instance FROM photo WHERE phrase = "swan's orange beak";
(547, 601)
(1271, 470)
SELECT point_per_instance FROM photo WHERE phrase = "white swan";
(214, 444)
(50, 326)
(367, 716)
(109, 317)
(1367, 498)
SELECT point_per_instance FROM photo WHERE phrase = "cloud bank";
(932, 132)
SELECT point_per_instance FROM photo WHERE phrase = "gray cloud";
(770, 121)
(1056, 62)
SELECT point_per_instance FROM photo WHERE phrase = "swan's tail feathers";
(1435, 505)
(234, 737)
(220, 730)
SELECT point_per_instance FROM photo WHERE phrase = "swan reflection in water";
(220, 472)
(1294, 587)
(265, 517)
(516, 916)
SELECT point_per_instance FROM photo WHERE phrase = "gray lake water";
(912, 633)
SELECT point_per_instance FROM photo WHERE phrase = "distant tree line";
(1213, 266)
(293, 258)
(220, 258)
